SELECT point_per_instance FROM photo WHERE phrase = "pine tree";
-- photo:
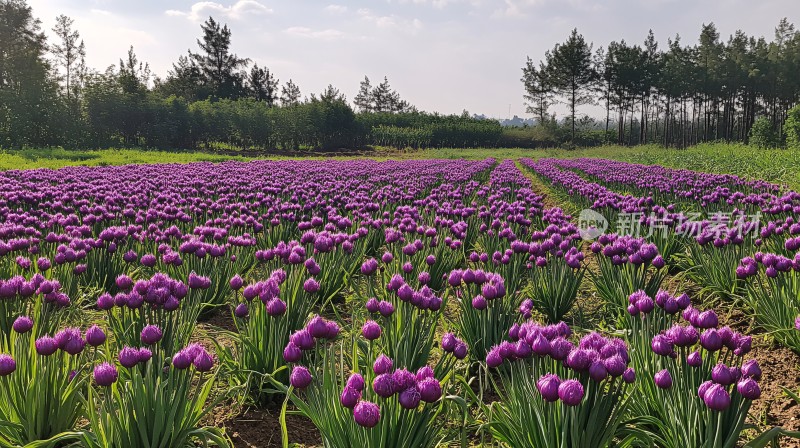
(70, 55)
(538, 91)
(290, 94)
(218, 66)
(364, 100)
(262, 85)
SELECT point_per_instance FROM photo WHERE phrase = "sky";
(440, 55)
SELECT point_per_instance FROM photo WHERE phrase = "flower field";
(415, 303)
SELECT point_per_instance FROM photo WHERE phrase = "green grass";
(776, 165)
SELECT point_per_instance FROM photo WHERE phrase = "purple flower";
(128, 357)
(722, 374)
(751, 369)
(382, 365)
(95, 336)
(661, 345)
(373, 306)
(430, 390)
(748, 388)
(276, 307)
(46, 346)
(371, 330)
(144, 355)
(292, 353)
(302, 339)
(571, 392)
(311, 286)
(124, 282)
(236, 282)
(629, 376)
(384, 385)
(317, 327)
(717, 398)
(300, 377)
(385, 308)
(241, 311)
(182, 360)
(615, 365)
(203, 362)
(105, 374)
(707, 319)
(479, 303)
(695, 359)
(548, 387)
(7, 365)
(366, 414)
(449, 342)
(349, 397)
(356, 381)
(151, 334)
(711, 340)
(663, 379)
(22, 324)
(424, 372)
(460, 350)
(369, 267)
(597, 371)
(410, 398)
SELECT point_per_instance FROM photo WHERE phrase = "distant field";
(779, 166)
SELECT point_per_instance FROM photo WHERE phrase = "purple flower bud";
(124, 282)
(144, 355)
(311, 286)
(129, 357)
(578, 360)
(707, 319)
(548, 386)
(494, 358)
(349, 397)
(203, 362)
(721, 374)
(182, 360)
(236, 282)
(711, 340)
(663, 379)
(356, 381)
(384, 385)
(292, 353)
(571, 392)
(748, 388)
(105, 374)
(597, 371)
(385, 308)
(151, 334)
(629, 376)
(382, 365)
(430, 390)
(7, 365)
(661, 345)
(302, 339)
(479, 303)
(46, 346)
(317, 327)
(373, 306)
(460, 350)
(366, 414)
(22, 324)
(695, 359)
(751, 369)
(276, 307)
(300, 377)
(449, 342)
(717, 398)
(409, 398)
(95, 336)
(615, 365)
(371, 330)
(241, 311)
(424, 372)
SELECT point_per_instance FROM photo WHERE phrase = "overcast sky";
(441, 55)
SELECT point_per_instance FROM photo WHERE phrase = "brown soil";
(258, 428)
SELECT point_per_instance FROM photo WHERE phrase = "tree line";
(743, 89)
(211, 98)
(733, 90)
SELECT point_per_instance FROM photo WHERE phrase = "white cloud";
(201, 10)
(336, 9)
(301, 31)
(390, 21)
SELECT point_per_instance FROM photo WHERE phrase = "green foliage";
(792, 128)
(762, 134)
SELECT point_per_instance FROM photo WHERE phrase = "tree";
(29, 107)
(185, 80)
(570, 71)
(262, 85)
(384, 99)
(538, 91)
(290, 94)
(331, 94)
(134, 76)
(70, 55)
(217, 65)
(363, 101)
